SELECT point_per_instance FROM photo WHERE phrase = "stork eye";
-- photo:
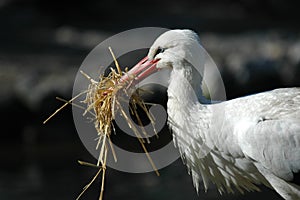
(159, 50)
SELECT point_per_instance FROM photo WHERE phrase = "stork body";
(238, 143)
(255, 140)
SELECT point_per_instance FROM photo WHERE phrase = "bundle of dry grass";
(103, 101)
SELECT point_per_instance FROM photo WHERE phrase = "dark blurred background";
(255, 43)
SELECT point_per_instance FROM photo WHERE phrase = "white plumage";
(234, 144)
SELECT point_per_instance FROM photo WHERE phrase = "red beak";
(141, 70)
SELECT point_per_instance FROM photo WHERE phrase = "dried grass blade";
(87, 164)
(74, 104)
(115, 60)
(103, 175)
(136, 132)
(89, 184)
(59, 109)
(112, 149)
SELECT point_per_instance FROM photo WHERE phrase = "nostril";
(154, 61)
(143, 61)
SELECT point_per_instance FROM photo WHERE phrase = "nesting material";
(103, 101)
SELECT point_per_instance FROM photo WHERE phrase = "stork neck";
(183, 106)
(185, 87)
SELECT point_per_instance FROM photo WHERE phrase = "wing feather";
(275, 144)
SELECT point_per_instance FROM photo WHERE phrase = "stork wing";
(275, 144)
(266, 129)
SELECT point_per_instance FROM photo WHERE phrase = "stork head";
(173, 49)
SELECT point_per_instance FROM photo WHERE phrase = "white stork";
(255, 141)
